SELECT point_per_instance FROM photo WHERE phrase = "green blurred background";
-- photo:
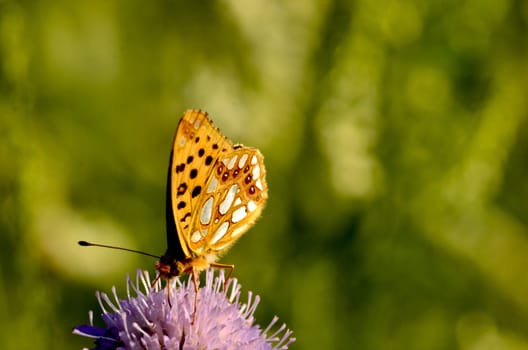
(396, 143)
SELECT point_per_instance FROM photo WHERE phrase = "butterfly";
(215, 192)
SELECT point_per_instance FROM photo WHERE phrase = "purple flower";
(145, 320)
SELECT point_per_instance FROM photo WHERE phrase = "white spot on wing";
(196, 237)
(228, 200)
(207, 212)
(212, 185)
(254, 160)
(256, 172)
(220, 232)
(238, 201)
(259, 184)
(182, 141)
(239, 214)
(232, 162)
(243, 160)
(197, 123)
(251, 206)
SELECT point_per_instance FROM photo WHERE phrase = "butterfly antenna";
(88, 244)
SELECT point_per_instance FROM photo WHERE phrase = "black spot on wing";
(180, 168)
(196, 191)
(182, 188)
(185, 217)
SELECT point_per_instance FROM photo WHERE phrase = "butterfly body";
(169, 267)
(215, 192)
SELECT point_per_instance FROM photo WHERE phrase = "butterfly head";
(169, 267)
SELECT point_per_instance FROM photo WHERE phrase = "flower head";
(146, 320)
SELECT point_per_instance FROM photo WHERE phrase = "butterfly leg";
(182, 340)
(168, 293)
(156, 280)
(231, 268)
(195, 276)
(168, 288)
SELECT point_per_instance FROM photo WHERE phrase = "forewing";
(196, 147)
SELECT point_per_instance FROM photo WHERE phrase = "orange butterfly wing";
(217, 189)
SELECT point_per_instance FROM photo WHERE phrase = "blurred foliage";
(396, 144)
